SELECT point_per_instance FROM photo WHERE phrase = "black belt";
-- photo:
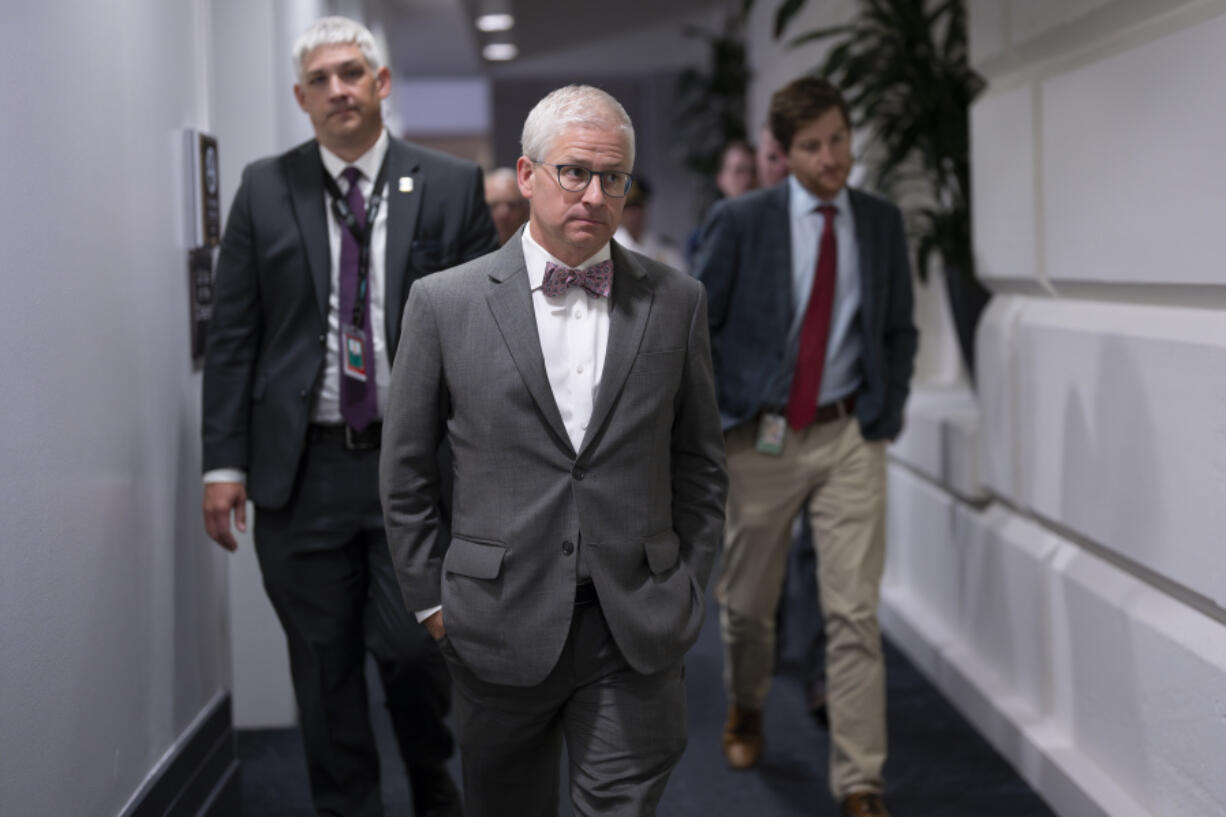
(585, 593)
(367, 438)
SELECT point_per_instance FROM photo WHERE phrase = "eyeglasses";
(575, 179)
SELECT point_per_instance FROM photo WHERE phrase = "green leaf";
(784, 14)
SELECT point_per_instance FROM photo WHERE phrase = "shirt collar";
(536, 257)
(803, 203)
(368, 162)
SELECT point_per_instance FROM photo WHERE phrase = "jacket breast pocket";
(477, 560)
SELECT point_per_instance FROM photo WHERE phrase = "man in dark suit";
(813, 344)
(321, 249)
(573, 380)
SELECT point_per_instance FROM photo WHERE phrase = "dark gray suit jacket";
(745, 260)
(645, 491)
(265, 349)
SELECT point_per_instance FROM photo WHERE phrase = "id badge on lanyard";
(353, 361)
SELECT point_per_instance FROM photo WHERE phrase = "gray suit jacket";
(265, 350)
(645, 491)
(745, 260)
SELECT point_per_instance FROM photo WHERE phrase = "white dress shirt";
(574, 334)
(326, 409)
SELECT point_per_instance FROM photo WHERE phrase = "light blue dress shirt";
(841, 375)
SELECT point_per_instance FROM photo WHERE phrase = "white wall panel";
(940, 438)
(1145, 684)
(1132, 192)
(1126, 436)
(1005, 220)
(921, 527)
(996, 365)
(1005, 600)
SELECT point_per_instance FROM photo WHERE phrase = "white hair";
(333, 30)
(573, 105)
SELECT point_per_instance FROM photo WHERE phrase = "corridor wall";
(115, 642)
(1056, 536)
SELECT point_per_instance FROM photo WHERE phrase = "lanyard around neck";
(344, 215)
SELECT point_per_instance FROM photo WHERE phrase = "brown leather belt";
(363, 440)
(836, 410)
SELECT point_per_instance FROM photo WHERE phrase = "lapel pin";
(406, 184)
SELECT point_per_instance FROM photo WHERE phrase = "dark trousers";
(328, 573)
(624, 731)
(798, 621)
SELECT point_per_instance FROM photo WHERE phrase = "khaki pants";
(841, 476)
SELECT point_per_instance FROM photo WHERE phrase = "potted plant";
(902, 65)
(711, 103)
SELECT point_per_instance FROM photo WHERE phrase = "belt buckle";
(354, 440)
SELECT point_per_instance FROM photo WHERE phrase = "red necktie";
(811, 357)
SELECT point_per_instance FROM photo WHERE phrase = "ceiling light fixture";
(500, 52)
(495, 22)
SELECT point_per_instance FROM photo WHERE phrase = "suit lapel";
(402, 211)
(511, 303)
(629, 305)
(304, 172)
(778, 244)
(866, 242)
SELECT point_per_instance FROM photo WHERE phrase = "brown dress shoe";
(864, 804)
(743, 739)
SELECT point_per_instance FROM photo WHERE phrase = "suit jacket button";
(568, 547)
(303, 393)
(323, 339)
(578, 473)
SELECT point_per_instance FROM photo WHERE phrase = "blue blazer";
(745, 261)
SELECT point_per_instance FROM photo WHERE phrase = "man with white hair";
(321, 249)
(573, 381)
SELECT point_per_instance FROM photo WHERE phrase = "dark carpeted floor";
(938, 765)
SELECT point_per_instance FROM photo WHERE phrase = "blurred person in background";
(634, 234)
(508, 207)
(771, 160)
(736, 176)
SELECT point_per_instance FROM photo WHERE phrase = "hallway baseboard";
(198, 776)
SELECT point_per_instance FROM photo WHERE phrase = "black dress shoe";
(815, 703)
(434, 795)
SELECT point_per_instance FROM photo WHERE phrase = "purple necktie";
(596, 279)
(359, 400)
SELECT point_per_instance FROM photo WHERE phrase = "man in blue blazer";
(813, 344)
(320, 251)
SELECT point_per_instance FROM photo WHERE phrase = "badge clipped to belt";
(772, 431)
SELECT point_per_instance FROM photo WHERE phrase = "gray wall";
(115, 633)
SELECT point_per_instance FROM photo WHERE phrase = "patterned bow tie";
(596, 279)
